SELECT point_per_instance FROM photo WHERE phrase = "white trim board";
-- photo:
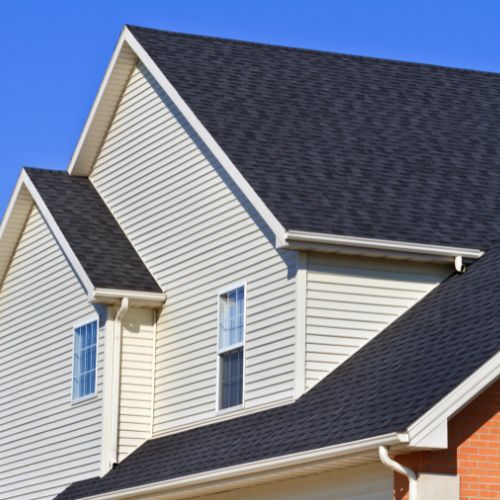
(431, 429)
(125, 56)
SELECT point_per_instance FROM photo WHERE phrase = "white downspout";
(115, 399)
(383, 453)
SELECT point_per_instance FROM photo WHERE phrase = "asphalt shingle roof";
(95, 237)
(348, 145)
(385, 387)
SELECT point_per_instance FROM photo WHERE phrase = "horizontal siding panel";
(350, 300)
(197, 233)
(46, 441)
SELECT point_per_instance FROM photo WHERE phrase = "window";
(84, 361)
(231, 347)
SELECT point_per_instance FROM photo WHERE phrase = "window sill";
(231, 409)
(84, 399)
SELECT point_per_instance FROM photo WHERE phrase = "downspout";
(117, 357)
(383, 453)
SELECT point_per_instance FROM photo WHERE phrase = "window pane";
(231, 317)
(232, 378)
(85, 360)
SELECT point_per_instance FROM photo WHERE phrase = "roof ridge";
(235, 41)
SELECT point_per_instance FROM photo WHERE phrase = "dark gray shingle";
(95, 237)
(348, 145)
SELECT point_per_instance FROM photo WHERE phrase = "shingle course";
(348, 145)
(95, 237)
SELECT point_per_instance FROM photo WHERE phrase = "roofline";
(252, 473)
(305, 240)
(11, 229)
(431, 429)
(25, 182)
(105, 104)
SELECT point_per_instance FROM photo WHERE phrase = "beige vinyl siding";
(197, 234)
(349, 300)
(136, 381)
(45, 441)
(367, 482)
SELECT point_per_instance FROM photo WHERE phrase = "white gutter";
(114, 296)
(400, 469)
(254, 472)
(307, 240)
(115, 394)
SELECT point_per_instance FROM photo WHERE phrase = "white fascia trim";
(128, 38)
(72, 168)
(11, 205)
(153, 299)
(437, 417)
(249, 472)
(292, 237)
(58, 234)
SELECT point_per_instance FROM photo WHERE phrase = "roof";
(348, 145)
(385, 387)
(92, 232)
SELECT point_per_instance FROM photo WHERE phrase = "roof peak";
(311, 51)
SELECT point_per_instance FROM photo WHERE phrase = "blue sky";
(54, 53)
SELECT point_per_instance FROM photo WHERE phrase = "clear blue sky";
(54, 53)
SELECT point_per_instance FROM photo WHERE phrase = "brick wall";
(473, 451)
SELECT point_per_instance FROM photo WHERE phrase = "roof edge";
(260, 471)
(431, 429)
(127, 51)
(304, 240)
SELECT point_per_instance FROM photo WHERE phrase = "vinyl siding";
(368, 482)
(197, 234)
(350, 300)
(45, 441)
(136, 389)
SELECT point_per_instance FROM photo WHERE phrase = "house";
(266, 273)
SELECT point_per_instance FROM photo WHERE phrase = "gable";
(46, 441)
(198, 233)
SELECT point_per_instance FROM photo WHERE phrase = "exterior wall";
(371, 482)
(136, 380)
(45, 441)
(473, 451)
(350, 300)
(197, 234)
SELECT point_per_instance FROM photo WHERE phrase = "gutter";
(304, 240)
(254, 472)
(112, 296)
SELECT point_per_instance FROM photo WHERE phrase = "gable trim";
(430, 430)
(105, 104)
(58, 234)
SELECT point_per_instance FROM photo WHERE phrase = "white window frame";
(220, 351)
(89, 319)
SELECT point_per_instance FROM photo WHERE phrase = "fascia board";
(86, 150)
(304, 240)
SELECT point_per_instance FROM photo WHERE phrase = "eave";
(24, 197)
(322, 242)
(262, 471)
